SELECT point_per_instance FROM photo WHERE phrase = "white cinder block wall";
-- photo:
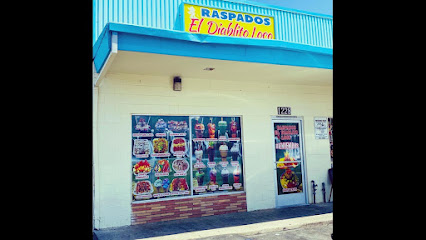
(120, 95)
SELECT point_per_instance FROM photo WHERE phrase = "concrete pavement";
(317, 231)
(251, 229)
(245, 223)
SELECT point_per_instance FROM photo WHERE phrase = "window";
(175, 156)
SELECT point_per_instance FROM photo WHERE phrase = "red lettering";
(245, 33)
(222, 30)
(237, 32)
(230, 30)
(235, 29)
(210, 23)
(285, 137)
(201, 22)
(254, 30)
(263, 35)
(240, 31)
(193, 24)
(286, 127)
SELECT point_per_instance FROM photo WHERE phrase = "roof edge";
(275, 48)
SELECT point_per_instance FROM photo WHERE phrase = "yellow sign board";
(214, 21)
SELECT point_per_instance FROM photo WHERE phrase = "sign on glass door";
(288, 158)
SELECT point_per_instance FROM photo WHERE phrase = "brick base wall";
(188, 207)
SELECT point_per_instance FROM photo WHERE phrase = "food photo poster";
(170, 151)
(288, 156)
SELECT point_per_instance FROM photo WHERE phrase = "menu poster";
(287, 152)
(330, 136)
(160, 157)
(320, 125)
(162, 160)
(216, 154)
(214, 128)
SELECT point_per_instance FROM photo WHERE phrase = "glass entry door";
(290, 182)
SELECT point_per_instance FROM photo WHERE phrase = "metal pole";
(314, 188)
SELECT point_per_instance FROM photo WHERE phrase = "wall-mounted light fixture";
(177, 83)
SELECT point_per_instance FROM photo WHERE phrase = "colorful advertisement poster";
(288, 158)
(169, 151)
(160, 157)
(216, 154)
(222, 22)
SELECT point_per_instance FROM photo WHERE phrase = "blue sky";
(316, 6)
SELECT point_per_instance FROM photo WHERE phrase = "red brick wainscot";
(188, 207)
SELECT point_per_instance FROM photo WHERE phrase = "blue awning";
(179, 43)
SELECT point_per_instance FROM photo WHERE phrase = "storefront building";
(208, 107)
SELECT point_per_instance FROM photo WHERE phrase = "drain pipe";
(314, 188)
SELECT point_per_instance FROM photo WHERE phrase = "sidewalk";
(245, 222)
